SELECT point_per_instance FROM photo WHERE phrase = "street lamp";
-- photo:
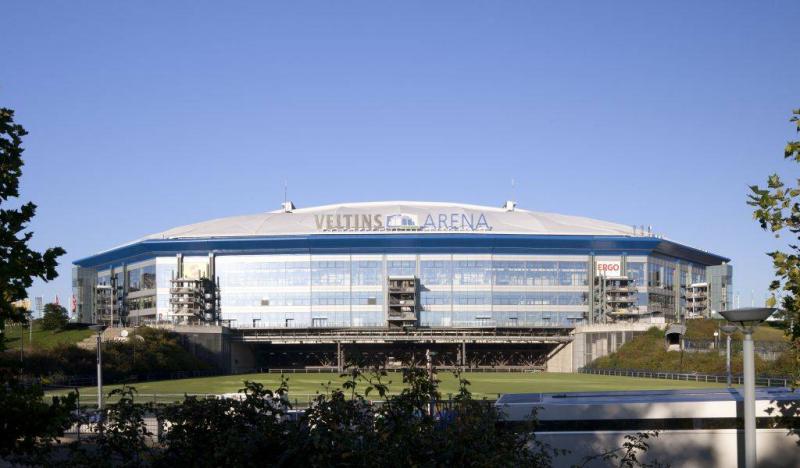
(99, 330)
(429, 361)
(746, 320)
(728, 330)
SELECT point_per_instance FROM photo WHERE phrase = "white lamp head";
(748, 316)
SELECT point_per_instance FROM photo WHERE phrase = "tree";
(30, 423)
(55, 317)
(19, 265)
(777, 209)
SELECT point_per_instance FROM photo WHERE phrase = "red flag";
(56, 301)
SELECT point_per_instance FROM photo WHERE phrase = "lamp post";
(746, 319)
(99, 330)
(728, 330)
(429, 361)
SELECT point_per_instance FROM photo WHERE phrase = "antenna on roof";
(510, 205)
(287, 206)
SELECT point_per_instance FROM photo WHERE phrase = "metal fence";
(60, 382)
(89, 400)
(54, 382)
(709, 378)
(331, 370)
(768, 350)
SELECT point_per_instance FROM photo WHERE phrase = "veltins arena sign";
(339, 222)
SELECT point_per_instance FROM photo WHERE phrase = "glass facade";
(142, 278)
(349, 290)
(455, 290)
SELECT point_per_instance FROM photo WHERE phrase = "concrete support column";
(179, 266)
(212, 270)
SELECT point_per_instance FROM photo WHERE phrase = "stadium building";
(386, 278)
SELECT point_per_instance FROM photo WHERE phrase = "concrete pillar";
(242, 358)
(179, 266)
(561, 359)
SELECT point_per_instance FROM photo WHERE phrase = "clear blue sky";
(148, 115)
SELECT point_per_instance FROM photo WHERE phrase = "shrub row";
(152, 351)
(647, 352)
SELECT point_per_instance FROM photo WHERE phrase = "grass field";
(487, 385)
(43, 339)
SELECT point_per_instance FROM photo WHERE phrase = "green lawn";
(488, 385)
(43, 339)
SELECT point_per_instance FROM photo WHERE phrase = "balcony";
(620, 299)
(402, 316)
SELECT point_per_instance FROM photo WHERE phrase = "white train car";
(701, 428)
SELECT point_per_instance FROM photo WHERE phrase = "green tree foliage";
(342, 428)
(55, 317)
(19, 265)
(149, 351)
(777, 209)
(28, 423)
(647, 352)
(253, 430)
(258, 427)
(626, 456)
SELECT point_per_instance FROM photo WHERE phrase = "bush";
(647, 352)
(55, 317)
(257, 428)
(342, 428)
(151, 351)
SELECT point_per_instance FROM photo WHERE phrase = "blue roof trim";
(401, 243)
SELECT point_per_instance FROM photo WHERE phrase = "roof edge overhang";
(674, 249)
(522, 244)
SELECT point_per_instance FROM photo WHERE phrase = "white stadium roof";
(396, 217)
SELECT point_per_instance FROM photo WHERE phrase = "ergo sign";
(608, 268)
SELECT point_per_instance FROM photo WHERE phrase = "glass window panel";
(544, 273)
(472, 272)
(401, 267)
(435, 297)
(510, 273)
(435, 272)
(636, 272)
(330, 273)
(572, 273)
(367, 272)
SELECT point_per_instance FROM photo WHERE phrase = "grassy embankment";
(43, 339)
(647, 352)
